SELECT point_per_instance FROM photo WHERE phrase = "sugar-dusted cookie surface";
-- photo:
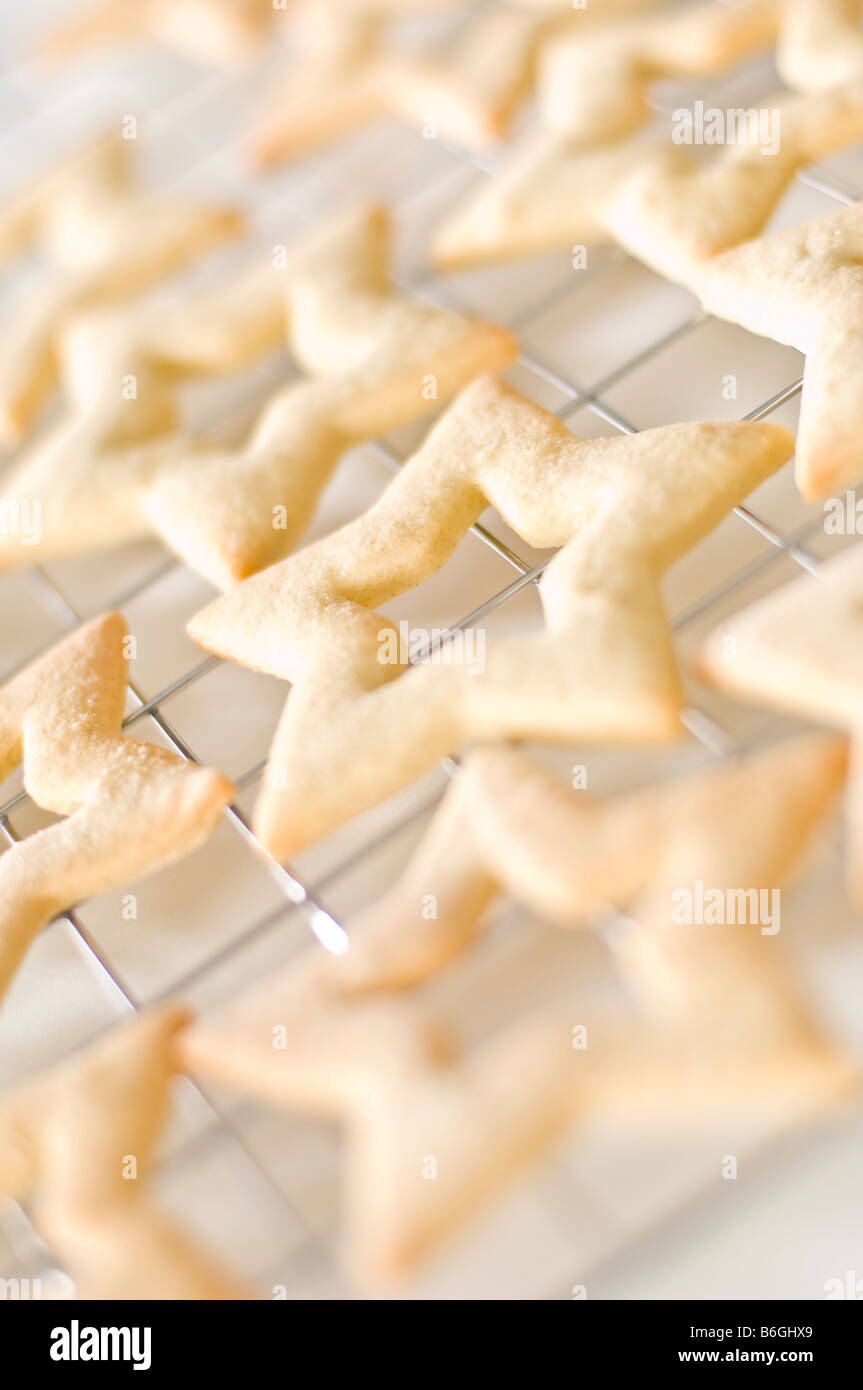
(130, 806)
(376, 359)
(800, 649)
(78, 1142)
(105, 241)
(360, 723)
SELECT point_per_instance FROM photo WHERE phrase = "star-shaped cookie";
(717, 992)
(129, 807)
(78, 1142)
(594, 85)
(376, 360)
(676, 215)
(800, 650)
(104, 242)
(507, 825)
(359, 725)
(432, 1130)
(467, 95)
(649, 196)
(467, 92)
(804, 287)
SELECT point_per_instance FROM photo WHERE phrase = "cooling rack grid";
(611, 349)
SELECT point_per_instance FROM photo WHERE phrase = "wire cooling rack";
(610, 349)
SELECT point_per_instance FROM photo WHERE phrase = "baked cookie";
(467, 95)
(594, 86)
(130, 806)
(799, 650)
(651, 197)
(359, 725)
(467, 92)
(431, 1131)
(78, 1143)
(507, 825)
(716, 991)
(804, 287)
(376, 360)
(676, 215)
(104, 242)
